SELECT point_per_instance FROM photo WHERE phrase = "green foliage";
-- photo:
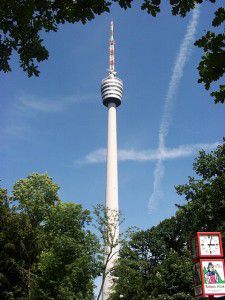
(107, 222)
(156, 263)
(67, 267)
(212, 66)
(219, 17)
(46, 249)
(205, 195)
(11, 275)
(36, 195)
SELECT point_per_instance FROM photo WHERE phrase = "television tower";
(111, 90)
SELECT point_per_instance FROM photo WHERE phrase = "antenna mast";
(111, 51)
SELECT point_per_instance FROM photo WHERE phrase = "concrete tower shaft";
(111, 202)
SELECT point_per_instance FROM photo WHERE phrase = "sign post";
(209, 270)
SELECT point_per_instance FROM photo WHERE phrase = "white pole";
(112, 193)
(112, 172)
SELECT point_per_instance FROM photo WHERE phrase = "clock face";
(209, 245)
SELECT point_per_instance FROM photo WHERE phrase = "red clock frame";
(197, 241)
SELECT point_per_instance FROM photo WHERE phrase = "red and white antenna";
(111, 51)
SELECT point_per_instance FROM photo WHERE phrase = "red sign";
(209, 269)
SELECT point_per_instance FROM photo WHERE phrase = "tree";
(46, 248)
(156, 263)
(174, 277)
(205, 195)
(18, 250)
(33, 199)
(35, 196)
(67, 268)
(107, 223)
(21, 23)
(22, 218)
(212, 66)
(11, 275)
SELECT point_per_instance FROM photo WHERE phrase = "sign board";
(209, 278)
(213, 276)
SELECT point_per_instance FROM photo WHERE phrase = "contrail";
(150, 155)
(177, 73)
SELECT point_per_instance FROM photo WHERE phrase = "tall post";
(112, 204)
(111, 90)
(112, 172)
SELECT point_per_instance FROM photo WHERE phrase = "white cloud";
(177, 73)
(158, 193)
(15, 130)
(42, 105)
(53, 105)
(99, 155)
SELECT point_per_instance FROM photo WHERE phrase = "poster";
(213, 276)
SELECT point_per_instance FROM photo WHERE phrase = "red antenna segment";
(111, 50)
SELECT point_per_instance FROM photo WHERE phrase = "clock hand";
(210, 240)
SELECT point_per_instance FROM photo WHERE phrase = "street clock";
(207, 244)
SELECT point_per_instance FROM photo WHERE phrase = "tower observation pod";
(111, 91)
(112, 86)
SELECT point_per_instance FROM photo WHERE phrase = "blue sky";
(57, 124)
